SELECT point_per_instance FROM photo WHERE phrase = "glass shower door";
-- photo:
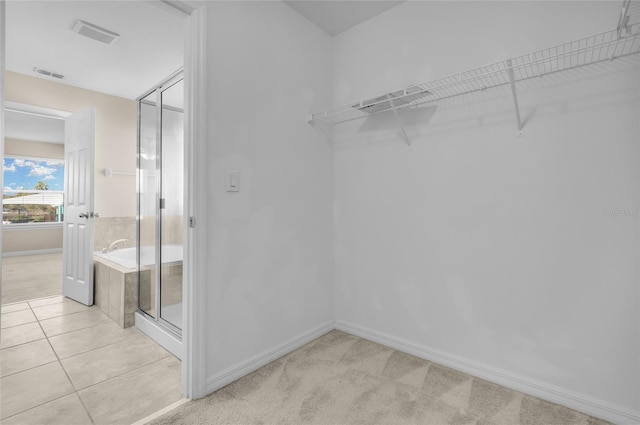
(172, 211)
(148, 162)
(160, 203)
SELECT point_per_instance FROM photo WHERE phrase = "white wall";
(270, 253)
(477, 244)
(116, 123)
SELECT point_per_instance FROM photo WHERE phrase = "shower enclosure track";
(606, 46)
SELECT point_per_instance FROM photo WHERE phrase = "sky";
(24, 174)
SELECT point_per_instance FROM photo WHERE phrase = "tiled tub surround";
(116, 287)
(171, 288)
(109, 229)
(116, 291)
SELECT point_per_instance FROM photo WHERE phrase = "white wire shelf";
(600, 47)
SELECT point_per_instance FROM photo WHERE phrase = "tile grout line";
(34, 299)
(26, 323)
(97, 383)
(97, 348)
(46, 318)
(29, 368)
(58, 358)
(74, 330)
(79, 329)
(45, 336)
(14, 311)
(59, 315)
(128, 371)
(23, 343)
(35, 407)
(65, 372)
(62, 333)
(48, 338)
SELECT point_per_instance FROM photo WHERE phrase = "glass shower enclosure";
(160, 216)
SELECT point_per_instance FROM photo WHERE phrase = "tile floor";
(21, 282)
(64, 363)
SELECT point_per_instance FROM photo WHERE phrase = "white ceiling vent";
(95, 32)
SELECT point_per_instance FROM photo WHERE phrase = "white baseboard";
(32, 252)
(227, 376)
(576, 401)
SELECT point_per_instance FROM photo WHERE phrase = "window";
(33, 190)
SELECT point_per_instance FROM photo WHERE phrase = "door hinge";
(161, 203)
(192, 222)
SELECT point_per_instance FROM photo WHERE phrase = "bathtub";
(116, 280)
(126, 257)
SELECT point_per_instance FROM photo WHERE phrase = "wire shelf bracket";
(323, 128)
(512, 82)
(403, 133)
(629, 15)
(622, 41)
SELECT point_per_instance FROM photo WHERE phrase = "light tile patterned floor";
(20, 282)
(64, 363)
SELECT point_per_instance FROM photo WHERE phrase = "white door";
(77, 269)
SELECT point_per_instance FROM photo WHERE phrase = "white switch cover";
(232, 181)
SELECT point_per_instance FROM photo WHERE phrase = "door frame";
(2, 95)
(194, 291)
(58, 114)
(194, 365)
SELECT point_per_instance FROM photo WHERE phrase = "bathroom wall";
(269, 255)
(513, 257)
(115, 145)
(19, 240)
(31, 240)
(109, 229)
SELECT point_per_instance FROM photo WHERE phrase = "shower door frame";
(165, 84)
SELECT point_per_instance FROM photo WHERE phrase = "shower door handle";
(84, 215)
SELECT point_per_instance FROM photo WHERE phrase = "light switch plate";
(232, 180)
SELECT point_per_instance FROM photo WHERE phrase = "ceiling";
(38, 128)
(149, 49)
(335, 17)
(150, 46)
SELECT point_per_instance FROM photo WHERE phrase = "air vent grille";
(48, 73)
(95, 32)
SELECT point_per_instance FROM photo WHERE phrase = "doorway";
(48, 203)
(194, 16)
(33, 199)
